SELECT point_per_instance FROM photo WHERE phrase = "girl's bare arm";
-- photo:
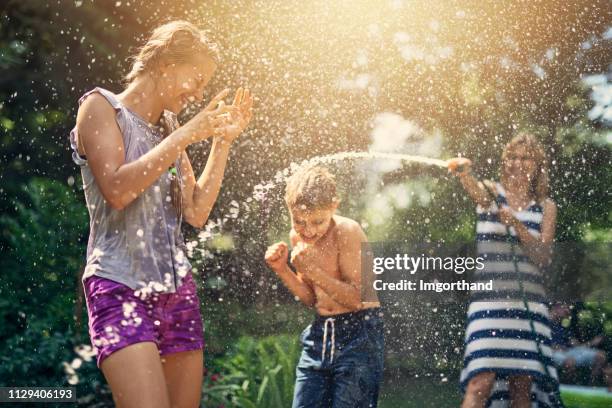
(199, 196)
(120, 182)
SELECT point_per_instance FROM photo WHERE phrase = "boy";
(342, 358)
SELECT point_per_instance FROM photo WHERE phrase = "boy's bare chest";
(327, 256)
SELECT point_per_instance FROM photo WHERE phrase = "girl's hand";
(207, 122)
(242, 107)
(238, 116)
(276, 256)
(459, 165)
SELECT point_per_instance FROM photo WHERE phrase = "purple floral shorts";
(118, 318)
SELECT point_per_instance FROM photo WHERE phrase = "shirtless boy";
(342, 358)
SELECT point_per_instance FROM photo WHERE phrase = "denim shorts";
(341, 364)
(118, 318)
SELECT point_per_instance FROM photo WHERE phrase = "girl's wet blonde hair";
(539, 183)
(175, 42)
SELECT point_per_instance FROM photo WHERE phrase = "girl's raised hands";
(238, 116)
(243, 107)
(209, 120)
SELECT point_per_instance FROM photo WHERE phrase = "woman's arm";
(120, 182)
(476, 190)
(539, 250)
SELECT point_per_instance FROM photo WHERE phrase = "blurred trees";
(473, 72)
(476, 71)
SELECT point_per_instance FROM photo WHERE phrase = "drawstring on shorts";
(333, 339)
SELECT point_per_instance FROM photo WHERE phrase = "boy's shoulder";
(347, 228)
(345, 222)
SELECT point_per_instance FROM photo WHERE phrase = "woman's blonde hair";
(174, 42)
(539, 183)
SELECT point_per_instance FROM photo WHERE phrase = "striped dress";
(499, 337)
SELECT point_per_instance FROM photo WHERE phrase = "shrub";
(256, 373)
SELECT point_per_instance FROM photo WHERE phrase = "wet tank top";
(140, 246)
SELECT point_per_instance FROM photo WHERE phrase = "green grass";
(412, 392)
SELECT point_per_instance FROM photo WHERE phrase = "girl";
(143, 308)
(507, 355)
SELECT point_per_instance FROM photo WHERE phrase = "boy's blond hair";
(311, 188)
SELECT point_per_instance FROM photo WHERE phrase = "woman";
(143, 308)
(508, 354)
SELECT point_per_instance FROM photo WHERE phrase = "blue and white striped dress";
(498, 336)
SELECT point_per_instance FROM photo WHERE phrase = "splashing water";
(262, 191)
(215, 227)
(377, 155)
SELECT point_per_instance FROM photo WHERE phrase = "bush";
(42, 357)
(45, 249)
(44, 240)
(256, 373)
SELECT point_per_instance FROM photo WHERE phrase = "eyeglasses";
(521, 158)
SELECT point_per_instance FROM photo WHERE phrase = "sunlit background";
(435, 79)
